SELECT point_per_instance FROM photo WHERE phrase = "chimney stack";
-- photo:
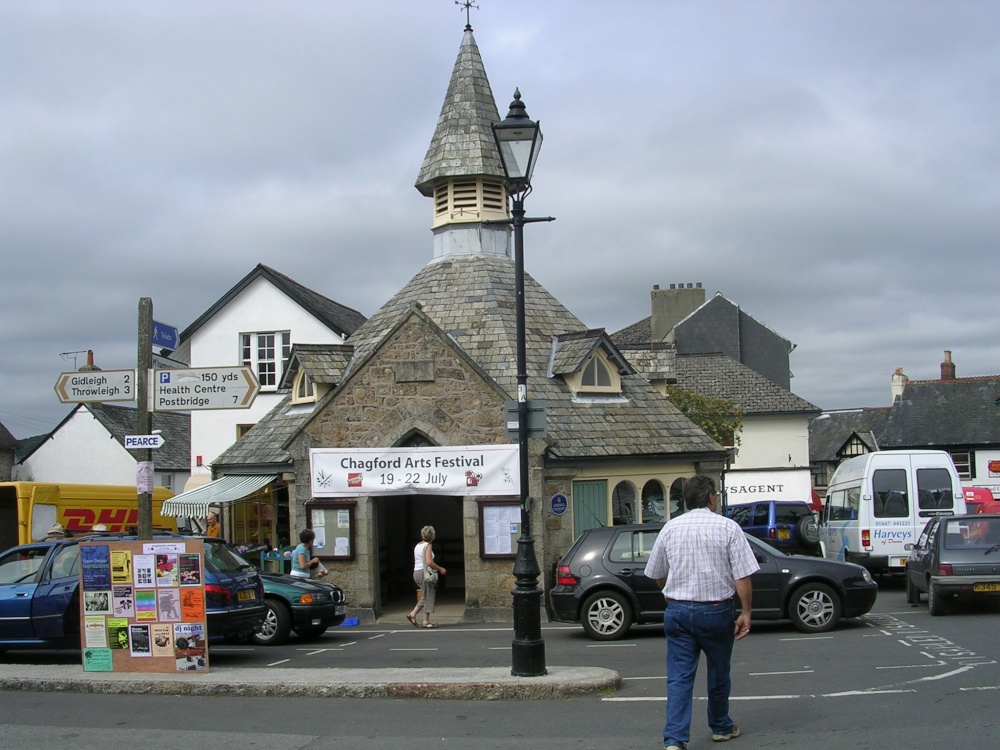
(671, 306)
(947, 367)
(899, 381)
(90, 366)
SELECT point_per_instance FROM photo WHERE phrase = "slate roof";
(571, 351)
(7, 441)
(472, 299)
(831, 430)
(463, 143)
(263, 445)
(339, 318)
(639, 334)
(324, 363)
(720, 376)
(932, 413)
(119, 421)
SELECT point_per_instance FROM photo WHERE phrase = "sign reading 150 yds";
(204, 388)
(446, 470)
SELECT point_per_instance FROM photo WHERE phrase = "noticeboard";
(142, 606)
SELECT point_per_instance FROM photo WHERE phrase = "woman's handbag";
(430, 576)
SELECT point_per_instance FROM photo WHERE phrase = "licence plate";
(784, 533)
(340, 609)
(986, 587)
(246, 595)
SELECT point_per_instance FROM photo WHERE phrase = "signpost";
(165, 336)
(204, 388)
(96, 385)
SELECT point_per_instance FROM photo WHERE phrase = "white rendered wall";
(258, 308)
(773, 442)
(82, 452)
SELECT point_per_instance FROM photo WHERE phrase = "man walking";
(700, 560)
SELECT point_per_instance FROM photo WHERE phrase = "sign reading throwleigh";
(446, 470)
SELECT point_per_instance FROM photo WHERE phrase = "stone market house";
(435, 366)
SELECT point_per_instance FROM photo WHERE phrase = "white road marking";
(611, 645)
(276, 663)
(768, 674)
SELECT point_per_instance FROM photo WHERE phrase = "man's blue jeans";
(693, 628)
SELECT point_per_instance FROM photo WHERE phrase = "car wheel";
(314, 631)
(607, 615)
(808, 532)
(276, 626)
(814, 608)
(935, 602)
(912, 592)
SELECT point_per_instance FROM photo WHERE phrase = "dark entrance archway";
(399, 519)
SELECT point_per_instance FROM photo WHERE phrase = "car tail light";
(866, 538)
(564, 577)
(944, 569)
(218, 595)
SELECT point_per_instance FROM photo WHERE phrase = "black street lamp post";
(519, 139)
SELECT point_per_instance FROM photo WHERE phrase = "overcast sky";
(833, 168)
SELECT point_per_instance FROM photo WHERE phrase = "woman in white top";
(423, 558)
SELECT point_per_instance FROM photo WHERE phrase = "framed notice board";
(334, 527)
(499, 528)
(142, 606)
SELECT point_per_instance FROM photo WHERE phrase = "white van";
(877, 505)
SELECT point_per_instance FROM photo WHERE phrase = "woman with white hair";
(425, 573)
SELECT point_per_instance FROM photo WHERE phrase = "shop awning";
(195, 504)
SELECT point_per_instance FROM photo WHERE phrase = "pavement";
(486, 683)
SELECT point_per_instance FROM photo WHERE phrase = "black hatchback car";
(955, 557)
(601, 584)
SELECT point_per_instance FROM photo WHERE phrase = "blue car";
(40, 601)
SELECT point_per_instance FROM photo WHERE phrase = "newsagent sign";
(447, 470)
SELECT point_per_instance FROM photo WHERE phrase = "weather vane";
(468, 5)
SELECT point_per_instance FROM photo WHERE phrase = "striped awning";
(195, 504)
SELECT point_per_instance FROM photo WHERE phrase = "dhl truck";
(28, 509)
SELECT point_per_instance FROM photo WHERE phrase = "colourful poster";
(118, 632)
(95, 565)
(97, 660)
(121, 566)
(192, 605)
(189, 647)
(190, 569)
(166, 569)
(145, 605)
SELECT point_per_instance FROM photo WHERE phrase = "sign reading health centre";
(446, 470)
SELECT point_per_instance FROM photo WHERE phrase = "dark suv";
(601, 584)
(39, 593)
(788, 525)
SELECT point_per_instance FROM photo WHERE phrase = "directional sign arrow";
(141, 442)
(204, 388)
(95, 385)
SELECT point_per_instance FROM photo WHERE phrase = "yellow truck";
(29, 509)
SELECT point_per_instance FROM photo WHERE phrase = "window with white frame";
(266, 353)
(963, 464)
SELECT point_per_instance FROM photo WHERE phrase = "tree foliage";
(720, 418)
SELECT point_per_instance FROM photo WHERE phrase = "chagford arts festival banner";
(447, 470)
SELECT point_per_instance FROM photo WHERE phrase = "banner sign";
(445, 470)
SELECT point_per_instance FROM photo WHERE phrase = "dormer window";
(304, 389)
(597, 376)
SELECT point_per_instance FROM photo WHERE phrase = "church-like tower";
(462, 170)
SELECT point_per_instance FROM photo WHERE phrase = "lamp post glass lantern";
(518, 140)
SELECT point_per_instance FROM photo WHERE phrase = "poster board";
(499, 528)
(142, 606)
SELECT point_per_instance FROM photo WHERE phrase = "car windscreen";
(220, 559)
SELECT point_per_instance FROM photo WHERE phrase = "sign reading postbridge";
(445, 470)
(96, 385)
(204, 388)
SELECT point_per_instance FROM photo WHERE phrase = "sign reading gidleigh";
(446, 470)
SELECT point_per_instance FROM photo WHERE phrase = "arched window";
(677, 497)
(623, 508)
(305, 389)
(653, 507)
(596, 374)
